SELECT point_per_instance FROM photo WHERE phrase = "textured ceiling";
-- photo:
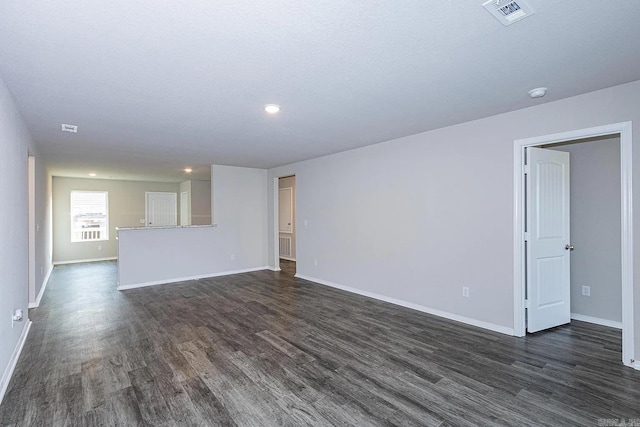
(157, 86)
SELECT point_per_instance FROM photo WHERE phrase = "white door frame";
(626, 169)
(276, 222)
(31, 170)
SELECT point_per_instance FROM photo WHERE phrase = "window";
(89, 216)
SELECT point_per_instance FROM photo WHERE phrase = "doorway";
(287, 223)
(626, 226)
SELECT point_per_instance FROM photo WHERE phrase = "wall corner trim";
(36, 304)
(184, 279)
(8, 372)
(451, 316)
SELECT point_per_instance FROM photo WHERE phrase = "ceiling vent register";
(69, 128)
(509, 12)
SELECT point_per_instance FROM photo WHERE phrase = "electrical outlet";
(465, 292)
(315, 262)
(233, 256)
(586, 291)
(16, 316)
(99, 247)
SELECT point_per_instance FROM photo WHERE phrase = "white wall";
(417, 218)
(237, 243)
(198, 208)
(200, 199)
(14, 285)
(595, 227)
(185, 187)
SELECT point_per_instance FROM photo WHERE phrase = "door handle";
(569, 247)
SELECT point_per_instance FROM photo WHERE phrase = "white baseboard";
(435, 312)
(78, 261)
(184, 279)
(273, 269)
(36, 304)
(8, 372)
(636, 365)
(287, 258)
(596, 320)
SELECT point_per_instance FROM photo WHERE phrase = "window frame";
(74, 229)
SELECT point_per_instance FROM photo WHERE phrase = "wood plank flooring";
(265, 349)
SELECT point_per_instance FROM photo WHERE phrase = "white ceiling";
(157, 86)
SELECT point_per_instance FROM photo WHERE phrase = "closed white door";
(161, 209)
(548, 243)
(285, 210)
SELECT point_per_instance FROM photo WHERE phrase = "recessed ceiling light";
(538, 92)
(188, 170)
(92, 174)
(271, 108)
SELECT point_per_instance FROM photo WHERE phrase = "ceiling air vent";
(507, 11)
(69, 128)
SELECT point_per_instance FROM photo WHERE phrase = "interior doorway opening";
(286, 224)
(623, 130)
(595, 285)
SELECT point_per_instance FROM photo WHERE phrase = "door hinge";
(527, 304)
(526, 169)
(526, 236)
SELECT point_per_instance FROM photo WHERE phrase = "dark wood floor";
(264, 349)
(288, 267)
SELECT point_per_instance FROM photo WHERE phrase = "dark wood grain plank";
(266, 349)
(208, 407)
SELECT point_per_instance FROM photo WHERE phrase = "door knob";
(569, 247)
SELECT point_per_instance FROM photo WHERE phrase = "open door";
(547, 236)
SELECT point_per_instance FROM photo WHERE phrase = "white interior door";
(161, 209)
(548, 244)
(285, 210)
